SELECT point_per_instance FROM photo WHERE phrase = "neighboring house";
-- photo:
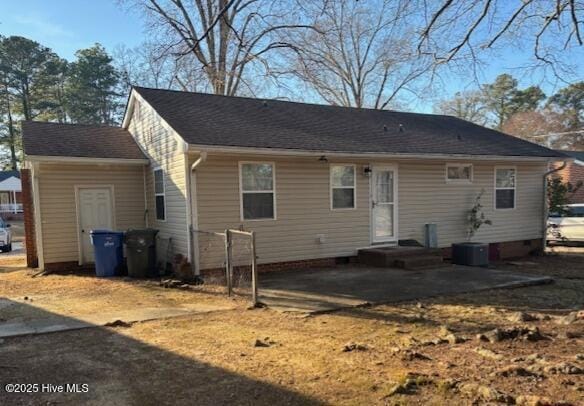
(10, 193)
(315, 182)
(574, 173)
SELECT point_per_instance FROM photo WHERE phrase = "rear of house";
(316, 183)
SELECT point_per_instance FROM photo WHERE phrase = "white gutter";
(193, 217)
(146, 215)
(84, 160)
(545, 201)
(38, 224)
(194, 148)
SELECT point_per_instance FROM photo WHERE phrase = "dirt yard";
(412, 353)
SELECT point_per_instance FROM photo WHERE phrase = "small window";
(342, 187)
(160, 195)
(257, 191)
(505, 183)
(459, 173)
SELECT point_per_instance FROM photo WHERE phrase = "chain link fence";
(229, 259)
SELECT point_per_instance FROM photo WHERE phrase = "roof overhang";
(135, 96)
(311, 153)
(129, 109)
(85, 160)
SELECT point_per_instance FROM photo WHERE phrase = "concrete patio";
(324, 290)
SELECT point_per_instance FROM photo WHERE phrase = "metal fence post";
(228, 265)
(254, 270)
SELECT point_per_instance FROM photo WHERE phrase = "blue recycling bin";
(109, 252)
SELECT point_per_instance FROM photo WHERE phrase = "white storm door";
(95, 212)
(383, 204)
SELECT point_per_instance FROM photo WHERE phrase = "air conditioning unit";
(471, 254)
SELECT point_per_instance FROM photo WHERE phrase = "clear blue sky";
(69, 25)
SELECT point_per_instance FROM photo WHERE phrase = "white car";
(5, 236)
(567, 227)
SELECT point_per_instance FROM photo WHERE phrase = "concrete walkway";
(54, 322)
(323, 290)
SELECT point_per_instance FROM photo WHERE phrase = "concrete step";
(401, 257)
(419, 262)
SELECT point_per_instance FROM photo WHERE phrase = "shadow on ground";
(121, 370)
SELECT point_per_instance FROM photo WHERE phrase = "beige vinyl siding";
(303, 207)
(165, 151)
(57, 203)
(425, 197)
(303, 211)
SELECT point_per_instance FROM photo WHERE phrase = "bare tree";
(462, 28)
(361, 55)
(469, 105)
(223, 38)
(145, 66)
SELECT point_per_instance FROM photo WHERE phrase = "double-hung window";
(342, 187)
(505, 185)
(258, 199)
(459, 173)
(159, 194)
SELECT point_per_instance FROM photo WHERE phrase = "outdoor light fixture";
(323, 158)
(367, 170)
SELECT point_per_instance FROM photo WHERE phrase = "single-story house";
(573, 172)
(10, 193)
(314, 182)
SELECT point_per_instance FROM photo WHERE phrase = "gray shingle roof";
(76, 140)
(212, 120)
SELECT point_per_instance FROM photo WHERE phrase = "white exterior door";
(95, 212)
(384, 204)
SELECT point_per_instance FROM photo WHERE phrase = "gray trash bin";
(141, 252)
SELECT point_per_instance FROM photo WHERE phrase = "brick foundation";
(498, 251)
(217, 275)
(67, 267)
(518, 249)
(28, 214)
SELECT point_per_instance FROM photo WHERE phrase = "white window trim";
(273, 191)
(390, 242)
(158, 168)
(504, 188)
(459, 165)
(354, 187)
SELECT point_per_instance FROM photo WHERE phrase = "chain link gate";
(229, 259)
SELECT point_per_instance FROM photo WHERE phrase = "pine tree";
(92, 89)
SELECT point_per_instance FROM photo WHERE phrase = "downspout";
(146, 220)
(193, 238)
(38, 223)
(545, 201)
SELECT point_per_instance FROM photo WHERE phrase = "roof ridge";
(263, 99)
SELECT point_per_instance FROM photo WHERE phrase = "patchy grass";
(213, 359)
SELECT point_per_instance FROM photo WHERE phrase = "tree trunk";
(25, 103)
(12, 137)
